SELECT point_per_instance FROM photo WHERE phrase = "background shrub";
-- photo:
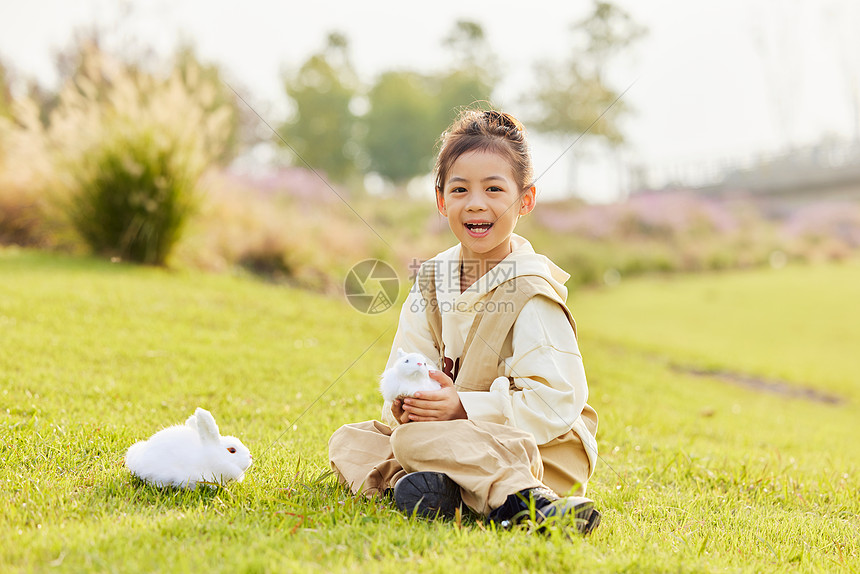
(132, 148)
(133, 199)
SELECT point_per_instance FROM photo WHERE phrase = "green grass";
(800, 324)
(696, 475)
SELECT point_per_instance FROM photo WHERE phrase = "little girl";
(510, 429)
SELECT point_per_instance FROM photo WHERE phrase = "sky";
(713, 82)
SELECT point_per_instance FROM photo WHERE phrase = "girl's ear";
(528, 200)
(440, 202)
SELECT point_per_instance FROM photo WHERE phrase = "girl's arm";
(413, 331)
(413, 336)
(545, 388)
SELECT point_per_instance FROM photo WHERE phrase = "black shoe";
(427, 494)
(517, 508)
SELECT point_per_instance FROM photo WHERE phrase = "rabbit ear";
(191, 422)
(206, 427)
(400, 352)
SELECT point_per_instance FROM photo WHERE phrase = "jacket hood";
(522, 261)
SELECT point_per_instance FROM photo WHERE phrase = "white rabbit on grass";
(187, 455)
(409, 374)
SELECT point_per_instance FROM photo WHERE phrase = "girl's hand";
(397, 411)
(441, 405)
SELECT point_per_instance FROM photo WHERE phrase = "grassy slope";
(798, 324)
(696, 475)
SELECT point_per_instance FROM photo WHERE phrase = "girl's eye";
(231, 450)
(495, 188)
(458, 190)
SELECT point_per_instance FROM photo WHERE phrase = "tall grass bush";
(132, 201)
(131, 148)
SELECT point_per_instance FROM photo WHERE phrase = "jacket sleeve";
(544, 389)
(413, 336)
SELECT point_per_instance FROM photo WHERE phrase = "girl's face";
(483, 202)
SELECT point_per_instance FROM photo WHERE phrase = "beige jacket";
(542, 388)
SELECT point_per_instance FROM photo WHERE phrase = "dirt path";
(755, 383)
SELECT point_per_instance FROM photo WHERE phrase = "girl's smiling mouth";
(478, 228)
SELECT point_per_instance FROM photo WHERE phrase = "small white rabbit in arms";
(409, 374)
(185, 455)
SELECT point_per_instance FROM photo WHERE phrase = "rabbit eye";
(231, 450)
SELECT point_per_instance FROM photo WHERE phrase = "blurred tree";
(569, 101)
(468, 46)
(572, 94)
(472, 76)
(401, 126)
(409, 110)
(572, 97)
(607, 31)
(322, 129)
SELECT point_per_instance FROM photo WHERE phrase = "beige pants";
(487, 460)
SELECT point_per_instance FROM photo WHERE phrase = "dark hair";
(491, 130)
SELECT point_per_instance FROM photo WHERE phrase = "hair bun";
(486, 130)
(503, 124)
(502, 119)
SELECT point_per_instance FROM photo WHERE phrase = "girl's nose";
(475, 202)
